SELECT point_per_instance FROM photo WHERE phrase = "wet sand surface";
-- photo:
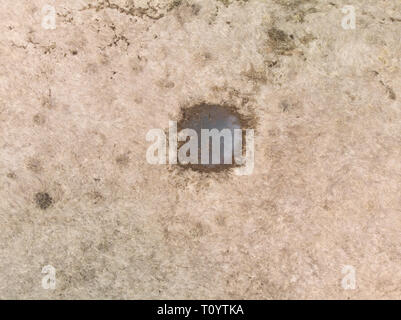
(76, 190)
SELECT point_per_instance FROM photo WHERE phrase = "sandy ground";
(77, 193)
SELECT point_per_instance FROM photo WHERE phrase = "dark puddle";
(213, 116)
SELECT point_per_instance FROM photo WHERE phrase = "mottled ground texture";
(77, 193)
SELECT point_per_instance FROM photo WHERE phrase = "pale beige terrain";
(77, 193)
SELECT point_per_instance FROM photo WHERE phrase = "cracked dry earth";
(77, 193)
